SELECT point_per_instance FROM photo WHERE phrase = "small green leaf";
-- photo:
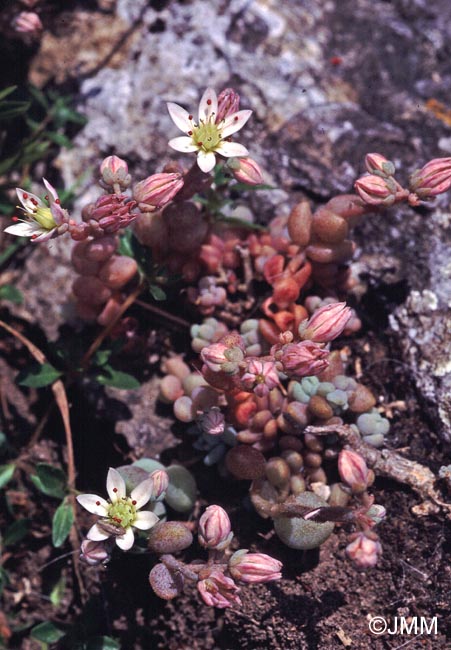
(101, 357)
(117, 379)
(11, 293)
(103, 643)
(38, 375)
(62, 523)
(7, 91)
(39, 96)
(4, 579)
(50, 480)
(57, 593)
(182, 490)
(157, 293)
(16, 532)
(59, 138)
(47, 633)
(6, 473)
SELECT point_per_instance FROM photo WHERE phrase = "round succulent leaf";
(300, 533)
(182, 489)
(165, 584)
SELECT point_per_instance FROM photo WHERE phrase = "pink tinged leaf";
(145, 520)
(183, 144)
(115, 485)
(180, 117)
(93, 504)
(142, 493)
(50, 189)
(126, 541)
(28, 202)
(96, 534)
(234, 123)
(208, 105)
(230, 149)
(206, 160)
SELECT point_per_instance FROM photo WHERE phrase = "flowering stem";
(106, 331)
(163, 313)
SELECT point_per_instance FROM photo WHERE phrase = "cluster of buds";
(217, 577)
(379, 187)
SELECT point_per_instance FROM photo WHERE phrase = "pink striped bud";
(114, 171)
(160, 482)
(303, 359)
(219, 591)
(353, 471)
(254, 567)
(213, 422)
(433, 179)
(327, 323)
(214, 356)
(215, 530)
(228, 103)
(94, 553)
(113, 212)
(375, 190)
(245, 170)
(157, 190)
(379, 165)
(27, 22)
(260, 377)
(364, 549)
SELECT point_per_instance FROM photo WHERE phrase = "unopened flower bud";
(213, 422)
(303, 359)
(94, 553)
(114, 171)
(364, 549)
(260, 377)
(228, 103)
(433, 179)
(245, 170)
(113, 211)
(218, 591)
(327, 323)
(353, 470)
(376, 190)
(157, 190)
(254, 567)
(379, 165)
(215, 528)
(27, 22)
(160, 482)
(214, 356)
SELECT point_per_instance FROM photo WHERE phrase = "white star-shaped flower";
(121, 513)
(208, 137)
(41, 222)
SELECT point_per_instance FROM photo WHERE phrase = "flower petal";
(96, 534)
(23, 229)
(44, 236)
(51, 190)
(234, 123)
(206, 160)
(180, 117)
(142, 493)
(208, 105)
(183, 144)
(58, 214)
(27, 198)
(230, 149)
(145, 520)
(115, 485)
(125, 542)
(94, 504)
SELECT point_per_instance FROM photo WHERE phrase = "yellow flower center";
(44, 218)
(207, 136)
(122, 513)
